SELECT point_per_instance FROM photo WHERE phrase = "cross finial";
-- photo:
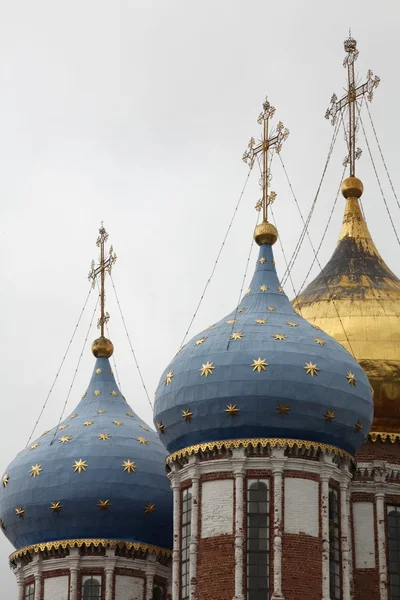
(349, 101)
(263, 147)
(105, 264)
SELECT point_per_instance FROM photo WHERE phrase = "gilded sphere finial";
(102, 348)
(265, 233)
(352, 187)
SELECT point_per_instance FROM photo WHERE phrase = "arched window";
(29, 591)
(91, 587)
(335, 578)
(393, 513)
(158, 592)
(185, 541)
(257, 540)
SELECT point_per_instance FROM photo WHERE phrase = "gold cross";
(105, 264)
(350, 100)
(264, 146)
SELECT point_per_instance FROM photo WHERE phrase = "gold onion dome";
(102, 348)
(357, 300)
(265, 233)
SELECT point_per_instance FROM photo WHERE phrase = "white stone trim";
(194, 533)
(380, 518)
(278, 463)
(325, 534)
(176, 491)
(239, 461)
(345, 535)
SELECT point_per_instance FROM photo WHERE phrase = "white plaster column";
(175, 485)
(344, 533)
(238, 461)
(350, 537)
(278, 460)
(194, 531)
(380, 525)
(37, 572)
(325, 534)
(109, 573)
(73, 565)
(150, 572)
(20, 584)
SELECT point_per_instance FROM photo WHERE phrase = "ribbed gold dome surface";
(358, 298)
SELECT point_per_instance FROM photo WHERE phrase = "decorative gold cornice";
(384, 436)
(87, 542)
(254, 442)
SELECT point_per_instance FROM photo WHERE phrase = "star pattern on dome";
(237, 335)
(279, 336)
(6, 480)
(62, 427)
(232, 409)
(114, 393)
(259, 364)
(187, 414)
(129, 466)
(104, 436)
(2, 524)
(241, 310)
(20, 512)
(311, 369)
(149, 508)
(64, 439)
(99, 371)
(200, 341)
(144, 427)
(118, 423)
(88, 423)
(280, 290)
(263, 288)
(34, 446)
(35, 470)
(141, 440)
(316, 327)
(231, 321)
(358, 426)
(130, 415)
(329, 415)
(101, 411)
(104, 504)
(207, 369)
(161, 427)
(351, 378)
(56, 506)
(74, 416)
(80, 465)
(168, 377)
(248, 291)
(319, 341)
(111, 372)
(97, 392)
(44, 433)
(262, 260)
(271, 308)
(84, 395)
(261, 321)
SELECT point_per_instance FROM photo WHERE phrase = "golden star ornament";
(129, 466)
(142, 440)
(98, 371)
(97, 392)
(64, 439)
(88, 423)
(319, 341)
(279, 336)
(311, 369)
(271, 308)
(187, 414)
(161, 427)
(62, 427)
(329, 415)
(101, 411)
(283, 409)
(104, 504)
(118, 422)
(351, 378)
(144, 427)
(56, 506)
(129, 415)
(263, 288)
(207, 369)
(149, 508)
(35, 470)
(261, 321)
(114, 393)
(231, 321)
(20, 512)
(359, 425)
(168, 378)
(292, 324)
(6, 479)
(200, 341)
(262, 260)
(259, 364)
(104, 436)
(237, 335)
(232, 409)
(34, 446)
(80, 465)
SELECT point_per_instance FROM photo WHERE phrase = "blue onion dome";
(99, 474)
(263, 372)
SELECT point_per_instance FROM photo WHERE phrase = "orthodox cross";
(105, 264)
(349, 100)
(264, 147)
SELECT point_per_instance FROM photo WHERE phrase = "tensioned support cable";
(130, 345)
(378, 180)
(59, 368)
(216, 260)
(283, 254)
(76, 370)
(382, 157)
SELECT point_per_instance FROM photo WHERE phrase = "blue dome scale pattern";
(103, 477)
(263, 372)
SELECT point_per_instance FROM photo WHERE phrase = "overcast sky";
(138, 113)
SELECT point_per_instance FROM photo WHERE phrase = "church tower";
(87, 505)
(356, 299)
(262, 415)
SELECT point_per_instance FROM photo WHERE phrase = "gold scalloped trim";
(383, 436)
(254, 442)
(78, 543)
